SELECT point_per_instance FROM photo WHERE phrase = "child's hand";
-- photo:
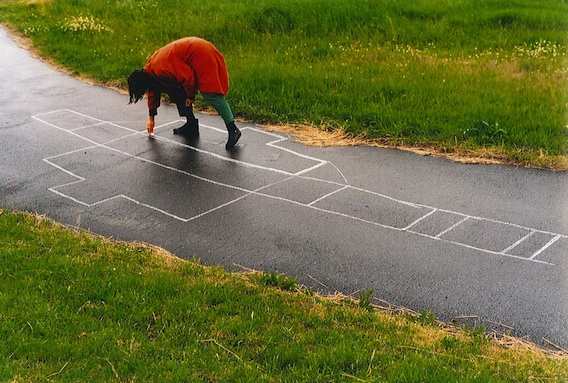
(150, 125)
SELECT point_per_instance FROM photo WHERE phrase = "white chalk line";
(437, 236)
(485, 250)
(257, 192)
(519, 242)
(421, 219)
(327, 195)
(473, 217)
(532, 257)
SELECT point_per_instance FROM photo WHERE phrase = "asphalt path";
(478, 244)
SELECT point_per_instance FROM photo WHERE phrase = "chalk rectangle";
(372, 207)
(301, 190)
(535, 242)
(555, 253)
(436, 223)
(486, 234)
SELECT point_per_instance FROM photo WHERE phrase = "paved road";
(486, 242)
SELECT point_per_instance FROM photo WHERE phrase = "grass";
(469, 76)
(76, 307)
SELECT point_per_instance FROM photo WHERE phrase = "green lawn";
(80, 308)
(467, 76)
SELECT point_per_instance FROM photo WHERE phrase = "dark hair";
(139, 82)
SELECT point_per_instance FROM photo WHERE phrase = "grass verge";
(475, 78)
(76, 307)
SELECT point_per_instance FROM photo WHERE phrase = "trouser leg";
(191, 127)
(185, 111)
(220, 104)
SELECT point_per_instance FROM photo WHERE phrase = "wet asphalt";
(477, 244)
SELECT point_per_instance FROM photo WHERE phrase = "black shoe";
(190, 129)
(234, 135)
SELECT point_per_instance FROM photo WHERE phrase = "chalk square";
(531, 245)
(485, 234)
(436, 223)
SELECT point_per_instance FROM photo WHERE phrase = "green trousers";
(217, 101)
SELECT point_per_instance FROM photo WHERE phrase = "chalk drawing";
(79, 123)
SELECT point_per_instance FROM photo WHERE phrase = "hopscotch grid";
(247, 192)
(292, 175)
(81, 179)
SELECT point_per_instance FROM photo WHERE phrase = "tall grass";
(446, 73)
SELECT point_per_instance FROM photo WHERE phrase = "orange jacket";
(191, 63)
